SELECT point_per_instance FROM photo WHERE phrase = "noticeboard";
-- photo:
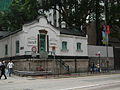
(34, 54)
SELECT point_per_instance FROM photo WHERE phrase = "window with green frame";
(6, 49)
(64, 45)
(17, 46)
(78, 46)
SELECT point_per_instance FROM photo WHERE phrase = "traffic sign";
(34, 49)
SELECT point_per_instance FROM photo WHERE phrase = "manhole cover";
(27, 89)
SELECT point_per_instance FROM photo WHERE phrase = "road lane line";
(90, 86)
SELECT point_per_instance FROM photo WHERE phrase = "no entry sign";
(34, 49)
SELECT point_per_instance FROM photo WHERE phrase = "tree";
(73, 12)
(114, 18)
(20, 12)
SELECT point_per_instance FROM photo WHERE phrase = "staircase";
(63, 65)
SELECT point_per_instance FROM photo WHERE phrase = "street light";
(98, 54)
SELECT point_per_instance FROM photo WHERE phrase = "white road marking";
(90, 86)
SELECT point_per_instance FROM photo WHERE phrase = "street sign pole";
(34, 50)
(54, 64)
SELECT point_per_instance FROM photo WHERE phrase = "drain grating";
(31, 79)
(10, 82)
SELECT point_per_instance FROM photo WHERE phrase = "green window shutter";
(17, 46)
(78, 46)
(6, 49)
(64, 45)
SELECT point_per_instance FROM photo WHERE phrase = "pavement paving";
(56, 82)
(50, 75)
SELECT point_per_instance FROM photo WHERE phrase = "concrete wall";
(93, 50)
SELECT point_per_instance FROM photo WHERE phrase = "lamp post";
(98, 54)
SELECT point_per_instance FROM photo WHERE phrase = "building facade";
(43, 36)
(39, 36)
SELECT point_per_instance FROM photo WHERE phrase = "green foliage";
(74, 12)
(21, 11)
(114, 18)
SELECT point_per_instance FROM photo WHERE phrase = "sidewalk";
(63, 82)
(71, 75)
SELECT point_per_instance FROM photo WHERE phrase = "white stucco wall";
(72, 45)
(11, 42)
(31, 30)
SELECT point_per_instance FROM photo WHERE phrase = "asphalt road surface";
(111, 86)
(100, 82)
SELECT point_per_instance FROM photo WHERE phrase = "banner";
(105, 35)
(107, 29)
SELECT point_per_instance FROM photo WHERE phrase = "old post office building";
(66, 46)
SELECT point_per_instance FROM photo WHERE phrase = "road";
(111, 86)
(99, 82)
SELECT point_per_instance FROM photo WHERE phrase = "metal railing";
(63, 64)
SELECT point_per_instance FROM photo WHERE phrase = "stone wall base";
(75, 65)
(105, 63)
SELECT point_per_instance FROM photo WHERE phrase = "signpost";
(53, 52)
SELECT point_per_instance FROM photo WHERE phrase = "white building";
(40, 36)
(44, 37)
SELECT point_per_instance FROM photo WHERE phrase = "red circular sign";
(34, 49)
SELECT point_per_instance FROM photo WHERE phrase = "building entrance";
(42, 42)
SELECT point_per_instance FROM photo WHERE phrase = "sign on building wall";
(31, 41)
(53, 42)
